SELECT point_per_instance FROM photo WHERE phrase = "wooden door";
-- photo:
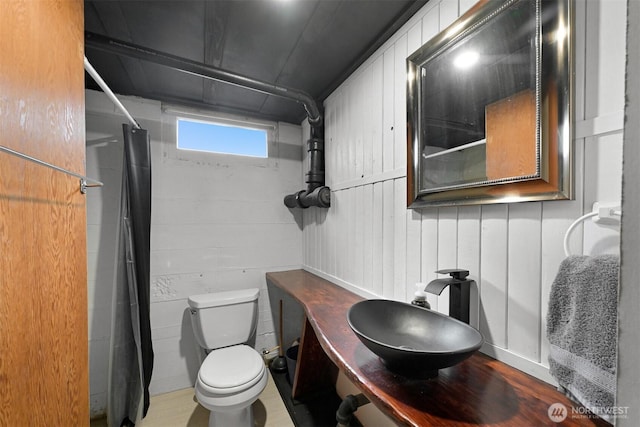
(43, 276)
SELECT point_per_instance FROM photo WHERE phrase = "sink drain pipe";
(349, 405)
(316, 193)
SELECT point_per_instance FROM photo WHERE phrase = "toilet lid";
(231, 367)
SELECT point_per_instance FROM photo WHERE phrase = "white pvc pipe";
(94, 74)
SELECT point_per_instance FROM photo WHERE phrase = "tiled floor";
(180, 408)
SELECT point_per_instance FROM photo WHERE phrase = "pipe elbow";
(320, 197)
(314, 117)
(292, 201)
(348, 406)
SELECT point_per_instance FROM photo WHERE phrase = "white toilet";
(233, 374)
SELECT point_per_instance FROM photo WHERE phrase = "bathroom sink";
(411, 340)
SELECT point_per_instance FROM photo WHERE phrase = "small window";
(221, 138)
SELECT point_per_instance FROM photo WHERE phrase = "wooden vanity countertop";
(478, 391)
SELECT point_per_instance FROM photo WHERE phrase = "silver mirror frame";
(554, 110)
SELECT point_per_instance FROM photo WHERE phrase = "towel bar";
(85, 182)
(601, 212)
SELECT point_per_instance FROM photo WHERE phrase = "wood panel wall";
(369, 242)
(43, 279)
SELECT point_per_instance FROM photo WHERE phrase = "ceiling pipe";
(316, 194)
(119, 47)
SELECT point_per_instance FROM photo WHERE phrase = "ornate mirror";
(488, 107)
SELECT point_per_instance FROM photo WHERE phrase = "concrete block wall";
(218, 223)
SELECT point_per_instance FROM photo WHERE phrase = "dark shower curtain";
(131, 349)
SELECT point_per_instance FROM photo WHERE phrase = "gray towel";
(582, 330)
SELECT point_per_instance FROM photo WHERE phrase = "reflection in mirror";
(477, 79)
(482, 114)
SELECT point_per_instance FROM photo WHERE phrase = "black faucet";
(459, 294)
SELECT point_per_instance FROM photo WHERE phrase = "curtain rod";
(94, 74)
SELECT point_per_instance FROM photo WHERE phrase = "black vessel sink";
(411, 340)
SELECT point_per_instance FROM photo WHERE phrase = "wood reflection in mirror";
(511, 137)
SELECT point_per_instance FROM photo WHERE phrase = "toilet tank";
(222, 319)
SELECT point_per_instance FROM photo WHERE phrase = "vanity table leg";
(314, 370)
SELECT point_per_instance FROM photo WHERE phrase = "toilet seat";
(231, 370)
